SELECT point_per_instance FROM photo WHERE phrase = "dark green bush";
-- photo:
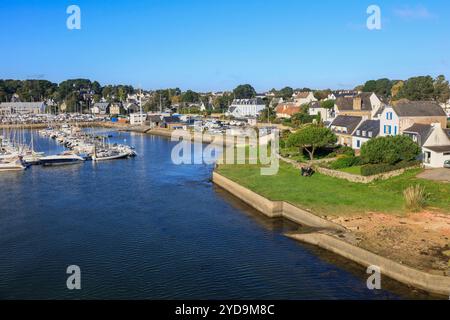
(345, 163)
(390, 150)
(347, 151)
(373, 169)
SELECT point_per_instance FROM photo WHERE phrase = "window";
(389, 129)
(358, 132)
(395, 130)
(358, 143)
(370, 134)
(364, 133)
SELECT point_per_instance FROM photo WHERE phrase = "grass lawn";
(325, 195)
(353, 170)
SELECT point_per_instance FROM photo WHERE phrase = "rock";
(446, 253)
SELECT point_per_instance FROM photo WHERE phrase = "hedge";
(346, 162)
(373, 169)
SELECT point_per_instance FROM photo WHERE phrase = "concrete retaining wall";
(431, 283)
(273, 208)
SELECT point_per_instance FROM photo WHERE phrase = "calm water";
(145, 228)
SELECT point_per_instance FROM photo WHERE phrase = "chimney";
(357, 103)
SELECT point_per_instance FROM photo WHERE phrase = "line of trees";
(415, 88)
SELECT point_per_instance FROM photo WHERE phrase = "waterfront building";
(243, 108)
(101, 108)
(22, 108)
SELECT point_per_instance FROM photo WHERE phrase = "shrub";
(389, 150)
(415, 198)
(344, 150)
(346, 163)
(373, 169)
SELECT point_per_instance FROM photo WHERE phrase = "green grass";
(353, 170)
(325, 195)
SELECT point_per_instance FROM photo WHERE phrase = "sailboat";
(64, 158)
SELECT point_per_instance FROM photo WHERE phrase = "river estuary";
(145, 228)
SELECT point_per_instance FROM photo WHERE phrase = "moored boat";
(61, 159)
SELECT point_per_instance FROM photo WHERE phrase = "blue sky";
(217, 44)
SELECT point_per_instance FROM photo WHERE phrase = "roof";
(419, 109)
(439, 149)
(171, 119)
(101, 105)
(22, 104)
(422, 130)
(345, 103)
(253, 101)
(302, 95)
(349, 122)
(315, 105)
(287, 108)
(368, 126)
(154, 118)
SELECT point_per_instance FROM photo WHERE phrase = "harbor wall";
(435, 284)
(273, 208)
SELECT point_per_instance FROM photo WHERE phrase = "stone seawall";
(271, 208)
(435, 284)
(431, 283)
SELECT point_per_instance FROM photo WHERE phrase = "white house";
(436, 149)
(367, 130)
(243, 108)
(301, 98)
(100, 108)
(315, 108)
(138, 118)
(396, 119)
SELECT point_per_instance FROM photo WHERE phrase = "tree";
(322, 94)
(441, 89)
(396, 88)
(327, 104)
(244, 91)
(389, 150)
(285, 93)
(311, 138)
(190, 97)
(380, 87)
(418, 88)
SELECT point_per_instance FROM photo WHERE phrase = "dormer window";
(370, 134)
(364, 133)
(358, 132)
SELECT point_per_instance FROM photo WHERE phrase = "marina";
(17, 153)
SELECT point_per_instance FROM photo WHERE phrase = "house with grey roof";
(367, 130)
(344, 127)
(365, 104)
(101, 108)
(22, 107)
(436, 147)
(394, 120)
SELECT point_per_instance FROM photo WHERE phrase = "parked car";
(447, 164)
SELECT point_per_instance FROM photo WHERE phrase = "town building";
(286, 110)
(100, 108)
(243, 108)
(315, 108)
(344, 127)
(22, 108)
(301, 98)
(367, 130)
(396, 119)
(364, 104)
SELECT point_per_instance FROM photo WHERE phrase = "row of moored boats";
(81, 147)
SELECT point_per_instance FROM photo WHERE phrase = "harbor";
(145, 228)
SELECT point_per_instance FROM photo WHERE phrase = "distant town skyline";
(216, 45)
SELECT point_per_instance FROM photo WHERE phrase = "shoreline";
(329, 235)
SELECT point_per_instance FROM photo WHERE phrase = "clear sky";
(216, 44)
